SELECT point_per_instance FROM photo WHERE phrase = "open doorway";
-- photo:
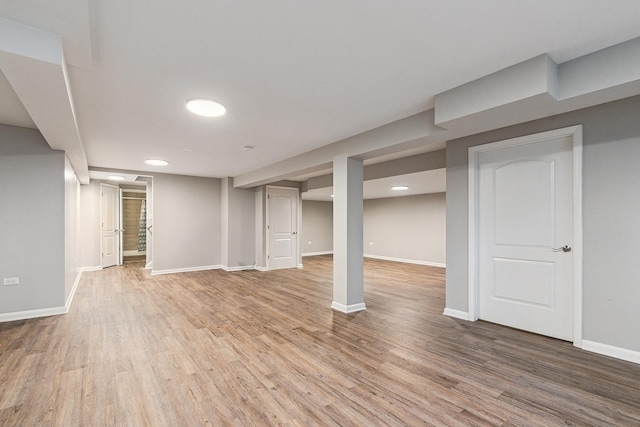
(133, 204)
(126, 217)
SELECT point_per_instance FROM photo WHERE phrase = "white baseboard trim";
(300, 265)
(456, 313)
(352, 308)
(46, 312)
(611, 351)
(67, 306)
(185, 270)
(95, 268)
(239, 268)
(259, 268)
(317, 253)
(32, 314)
(149, 266)
(408, 261)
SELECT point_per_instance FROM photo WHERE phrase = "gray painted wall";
(611, 203)
(316, 233)
(186, 222)
(32, 221)
(411, 228)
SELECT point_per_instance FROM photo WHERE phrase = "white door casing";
(109, 225)
(120, 228)
(524, 202)
(282, 227)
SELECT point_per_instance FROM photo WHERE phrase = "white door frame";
(267, 228)
(122, 230)
(120, 225)
(573, 132)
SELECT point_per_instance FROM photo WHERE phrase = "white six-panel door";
(524, 219)
(282, 228)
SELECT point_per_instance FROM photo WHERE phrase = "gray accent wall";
(410, 228)
(316, 234)
(32, 222)
(611, 207)
(186, 222)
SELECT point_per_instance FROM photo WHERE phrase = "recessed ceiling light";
(116, 178)
(399, 187)
(206, 107)
(332, 195)
(156, 162)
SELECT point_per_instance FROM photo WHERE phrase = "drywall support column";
(225, 183)
(348, 265)
(237, 236)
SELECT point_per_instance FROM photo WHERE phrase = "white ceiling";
(294, 74)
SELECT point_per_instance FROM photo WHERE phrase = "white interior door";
(110, 222)
(282, 228)
(524, 219)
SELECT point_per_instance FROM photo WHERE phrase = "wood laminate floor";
(264, 348)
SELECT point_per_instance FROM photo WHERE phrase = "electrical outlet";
(7, 281)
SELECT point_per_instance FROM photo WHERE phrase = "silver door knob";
(565, 248)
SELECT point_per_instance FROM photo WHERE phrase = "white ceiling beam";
(605, 69)
(404, 133)
(528, 91)
(418, 163)
(32, 60)
(533, 79)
